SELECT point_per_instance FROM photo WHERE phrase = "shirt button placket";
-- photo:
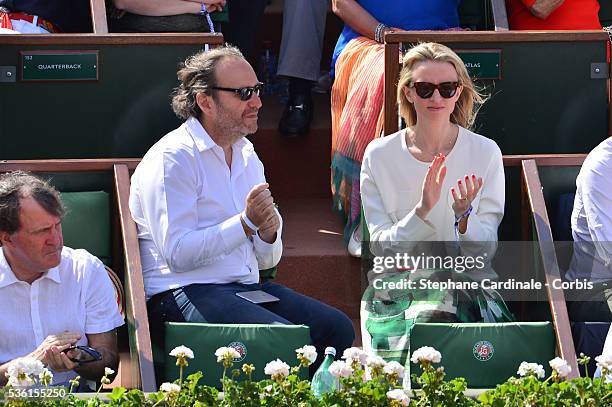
(35, 311)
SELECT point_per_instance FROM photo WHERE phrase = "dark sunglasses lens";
(245, 93)
(447, 89)
(424, 89)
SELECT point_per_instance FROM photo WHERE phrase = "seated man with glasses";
(58, 304)
(207, 223)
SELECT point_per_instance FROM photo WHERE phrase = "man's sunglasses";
(426, 90)
(244, 93)
(82, 354)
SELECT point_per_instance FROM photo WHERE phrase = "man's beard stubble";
(234, 128)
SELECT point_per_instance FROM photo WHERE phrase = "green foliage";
(290, 391)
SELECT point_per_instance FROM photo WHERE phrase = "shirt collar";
(200, 136)
(7, 277)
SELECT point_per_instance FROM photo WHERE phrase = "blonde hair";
(470, 99)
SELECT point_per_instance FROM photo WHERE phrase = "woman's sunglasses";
(426, 90)
(244, 93)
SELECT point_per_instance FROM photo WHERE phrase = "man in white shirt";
(592, 233)
(52, 297)
(207, 223)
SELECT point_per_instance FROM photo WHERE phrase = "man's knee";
(338, 326)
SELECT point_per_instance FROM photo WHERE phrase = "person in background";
(553, 14)
(241, 29)
(52, 297)
(357, 93)
(300, 60)
(44, 16)
(592, 233)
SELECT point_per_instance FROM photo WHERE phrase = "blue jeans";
(218, 303)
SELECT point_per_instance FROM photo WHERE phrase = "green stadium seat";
(258, 344)
(486, 354)
(87, 223)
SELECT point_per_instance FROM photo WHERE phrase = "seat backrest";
(486, 354)
(257, 344)
(546, 87)
(559, 186)
(114, 103)
(87, 223)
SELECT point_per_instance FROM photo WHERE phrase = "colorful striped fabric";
(357, 118)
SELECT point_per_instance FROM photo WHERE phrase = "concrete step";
(315, 260)
(296, 167)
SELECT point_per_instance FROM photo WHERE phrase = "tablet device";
(257, 297)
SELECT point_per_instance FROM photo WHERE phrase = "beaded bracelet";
(459, 219)
(205, 13)
(379, 31)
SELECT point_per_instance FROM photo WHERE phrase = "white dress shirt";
(76, 296)
(592, 217)
(187, 202)
(391, 187)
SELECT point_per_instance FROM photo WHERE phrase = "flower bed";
(363, 380)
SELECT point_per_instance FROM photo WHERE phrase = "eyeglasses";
(244, 93)
(426, 90)
(82, 354)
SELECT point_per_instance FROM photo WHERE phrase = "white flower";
(394, 367)
(355, 355)
(182, 351)
(399, 395)
(560, 366)
(170, 388)
(45, 377)
(108, 371)
(604, 362)
(34, 366)
(531, 368)
(426, 354)
(309, 352)
(375, 361)
(267, 392)
(225, 352)
(23, 380)
(277, 368)
(339, 368)
(21, 372)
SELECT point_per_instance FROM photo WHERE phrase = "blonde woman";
(434, 181)
(418, 183)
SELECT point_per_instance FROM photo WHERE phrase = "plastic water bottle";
(323, 381)
(267, 69)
